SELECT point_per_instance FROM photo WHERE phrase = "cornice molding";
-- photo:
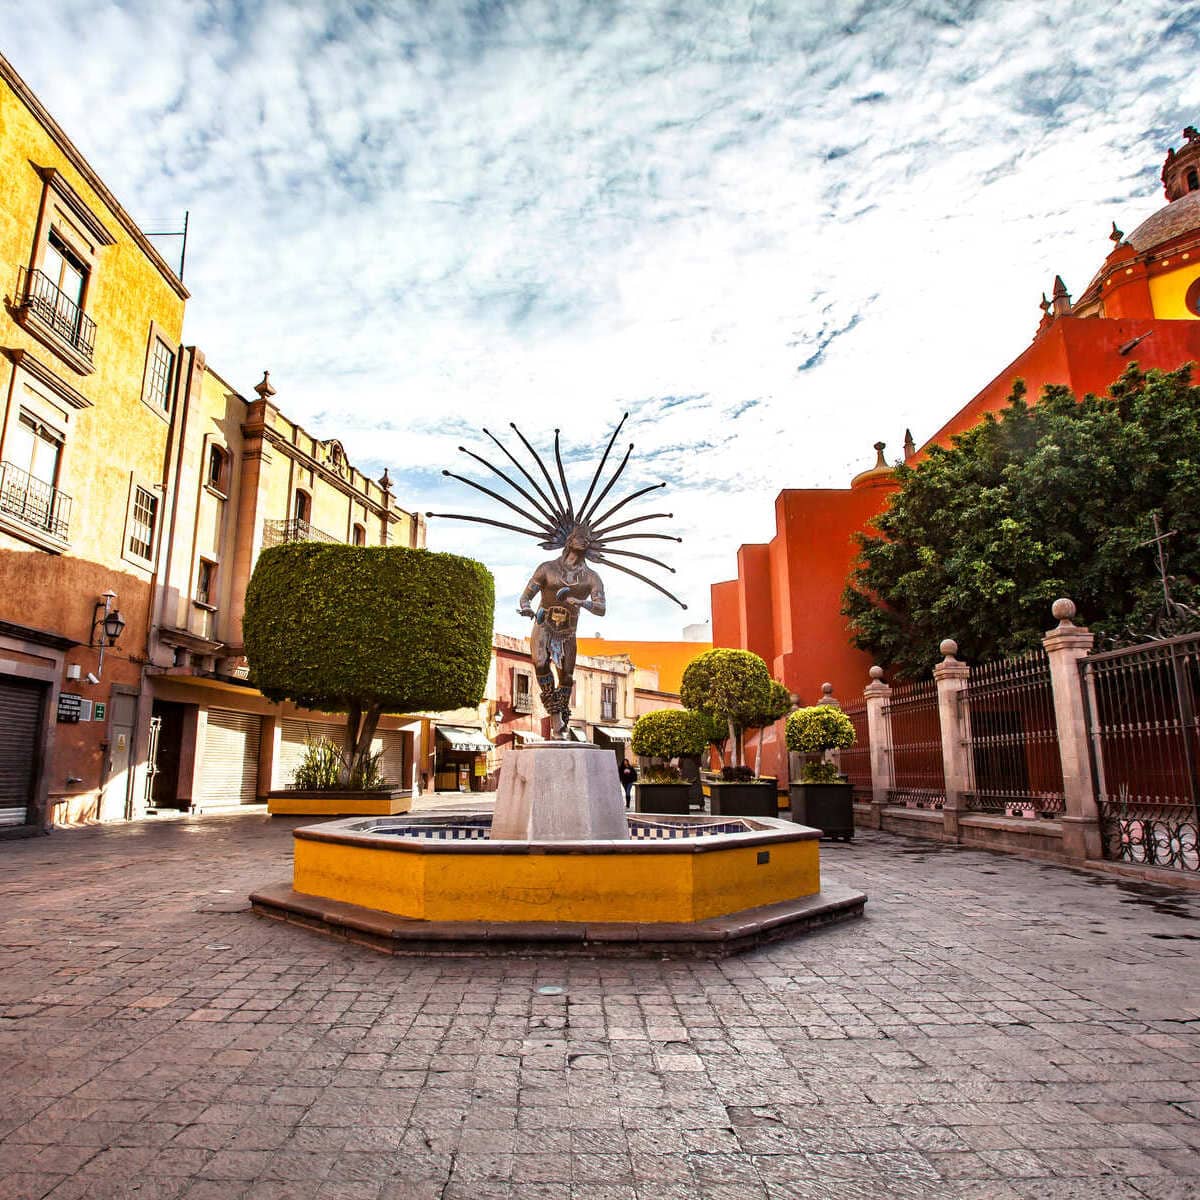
(54, 179)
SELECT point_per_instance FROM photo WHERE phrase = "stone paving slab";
(993, 1029)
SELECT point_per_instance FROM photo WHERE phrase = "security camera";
(93, 679)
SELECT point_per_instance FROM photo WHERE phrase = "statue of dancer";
(566, 584)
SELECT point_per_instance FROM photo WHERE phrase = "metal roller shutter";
(20, 723)
(294, 735)
(391, 742)
(229, 768)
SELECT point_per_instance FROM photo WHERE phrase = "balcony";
(34, 503)
(276, 533)
(52, 316)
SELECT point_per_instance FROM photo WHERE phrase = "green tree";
(1036, 502)
(733, 686)
(670, 733)
(779, 701)
(366, 631)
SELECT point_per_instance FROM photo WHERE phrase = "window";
(1193, 180)
(303, 506)
(360, 535)
(206, 583)
(218, 466)
(522, 692)
(66, 271)
(28, 490)
(142, 519)
(159, 372)
(608, 702)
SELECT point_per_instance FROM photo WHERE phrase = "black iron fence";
(1007, 709)
(918, 771)
(855, 761)
(42, 296)
(34, 502)
(1141, 705)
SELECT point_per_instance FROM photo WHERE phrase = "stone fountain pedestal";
(560, 791)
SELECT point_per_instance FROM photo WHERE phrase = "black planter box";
(744, 799)
(828, 807)
(664, 798)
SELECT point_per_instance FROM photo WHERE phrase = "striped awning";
(614, 733)
(528, 736)
(459, 737)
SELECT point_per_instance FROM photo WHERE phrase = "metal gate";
(20, 735)
(1145, 745)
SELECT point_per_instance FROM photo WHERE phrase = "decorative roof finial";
(880, 461)
(1116, 235)
(1061, 298)
(385, 480)
(263, 388)
(1045, 304)
(910, 447)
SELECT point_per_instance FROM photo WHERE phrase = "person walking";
(628, 773)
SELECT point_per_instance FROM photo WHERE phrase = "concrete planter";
(828, 807)
(664, 798)
(290, 802)
(744, 799)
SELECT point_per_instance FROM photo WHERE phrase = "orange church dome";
(1175, 219)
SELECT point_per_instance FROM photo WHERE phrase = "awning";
(458, 737)
(575, 734)
(527, 735)
(614, 733)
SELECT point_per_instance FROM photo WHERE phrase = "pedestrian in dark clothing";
(628, 773)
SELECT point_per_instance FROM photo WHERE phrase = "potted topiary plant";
(822, 798)
(667, 735)
(734, 687)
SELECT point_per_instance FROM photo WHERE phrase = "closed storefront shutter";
(391, 742)
(294, 735)
(229, 768)
(20, 727)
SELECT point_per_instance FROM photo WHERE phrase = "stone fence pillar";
(1065, 645)
(879, 731)
(951, 677)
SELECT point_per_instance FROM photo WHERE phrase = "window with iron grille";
(206, 583)
(159, 372)
(141, 524)
(522, 692)
(608, 702)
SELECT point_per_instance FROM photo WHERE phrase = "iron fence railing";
(34, 502)
(40, 295)
(1007, 711)
(855, 761)
(1141, 707)
(918, 771)
(276, 533)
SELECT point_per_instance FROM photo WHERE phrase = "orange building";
(1143, 304)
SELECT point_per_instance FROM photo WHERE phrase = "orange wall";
(667, 658)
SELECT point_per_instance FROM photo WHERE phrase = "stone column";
(879, 730)
(1065, 645)
(951, 677)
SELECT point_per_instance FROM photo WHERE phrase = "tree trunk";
(758, 754)
(366, 733)
(737, 744)
(352, 719)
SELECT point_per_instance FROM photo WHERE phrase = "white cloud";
(426, 218)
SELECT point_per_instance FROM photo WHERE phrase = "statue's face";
(576, 545)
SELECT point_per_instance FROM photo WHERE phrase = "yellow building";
(89, 358)
(243, 477)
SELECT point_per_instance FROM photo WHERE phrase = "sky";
(772, 232)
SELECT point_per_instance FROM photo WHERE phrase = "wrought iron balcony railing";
(33, 502)
(41, 296)
(275, 533)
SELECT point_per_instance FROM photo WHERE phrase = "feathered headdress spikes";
(555, 518)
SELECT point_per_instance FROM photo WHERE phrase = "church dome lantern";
(1181, 171)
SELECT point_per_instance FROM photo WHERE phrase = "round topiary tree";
(368, 630)
(669, 733)
(779, 700)
(731, 685)
(817, 730)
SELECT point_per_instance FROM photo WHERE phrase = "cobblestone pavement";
(993, 1029)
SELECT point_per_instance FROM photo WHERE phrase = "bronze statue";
(567, 583)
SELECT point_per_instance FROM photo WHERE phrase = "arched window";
(302, 509)
(1193, 180)
(359, 536)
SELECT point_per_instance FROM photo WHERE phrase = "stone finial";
(1063, 610)
(263, 387)
(880, 447)
(385, 482)
(1060, 298)
(1045, 304)
(794, 699)
(1116, 235)
(876, 673)
(948, 649)
(910, 447)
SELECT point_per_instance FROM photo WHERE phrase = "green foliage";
(819, 728)
(330, 627)
(819, 772)
(670, 732)
(779, 702)
(667, 774)
(1034, 503)
(322, 770)
(731, 685)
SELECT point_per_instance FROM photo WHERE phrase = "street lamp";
(107, 626)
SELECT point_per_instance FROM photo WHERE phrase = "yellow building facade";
(89, 358)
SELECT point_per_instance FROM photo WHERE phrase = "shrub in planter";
(320, 770)
(733, 686)
(820, 798)
(368, 630)
(667, 734)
